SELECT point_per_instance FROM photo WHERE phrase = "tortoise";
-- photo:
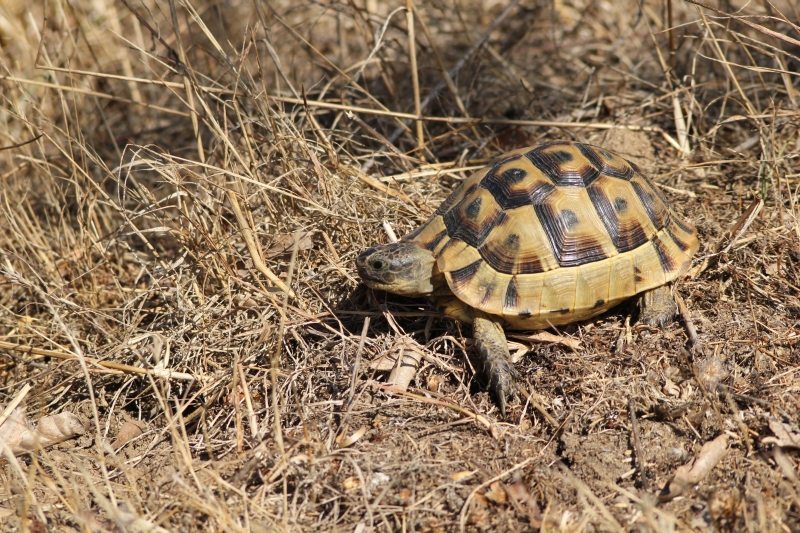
(540, 237)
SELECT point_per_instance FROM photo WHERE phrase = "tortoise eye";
(377, 265)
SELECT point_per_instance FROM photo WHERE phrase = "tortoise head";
(401, 267)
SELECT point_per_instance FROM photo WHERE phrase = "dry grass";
(168, 167)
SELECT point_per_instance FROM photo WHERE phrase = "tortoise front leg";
(495, 358)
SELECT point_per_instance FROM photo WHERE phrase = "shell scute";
(511, 192)
(573, 228)
(474, 217)
(618, 206)
(563, 164)
(608, 163)
(487, 287)
(648, 270)
(558, 295)
(592, 286)
(653, 202)
(520, 246)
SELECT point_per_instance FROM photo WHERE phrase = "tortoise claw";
(502, 380)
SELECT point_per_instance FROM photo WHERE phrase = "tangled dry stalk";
(184, 187)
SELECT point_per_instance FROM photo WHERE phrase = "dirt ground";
(184, 189)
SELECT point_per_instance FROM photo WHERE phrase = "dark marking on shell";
(506, 259)
(569, 178)
(436, 240)
(445, 247)
(509, 198)
(568, 218)
(599, 303)
(589, 153)
(602, 160)
(625, 236)
(514, 175)
(539, 193)
(624, 173)
(525, 313)
(469, 231)
(487, 294)
(630, 237)
(589, 174)
(666, 260)
(463, 276)
(549, 166)
(678, 242)
(658, 217)
(473, 209)
(561, 156)
(682, 225)
(656, 190)
(562, 311)
(511, 294)
(634, 166)
(512, 242)
(454, 198)
(637, 274)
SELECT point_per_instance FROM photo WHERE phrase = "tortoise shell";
(555, 234)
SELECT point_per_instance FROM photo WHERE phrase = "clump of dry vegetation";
(184, 187)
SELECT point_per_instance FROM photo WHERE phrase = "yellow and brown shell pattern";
(554, 234)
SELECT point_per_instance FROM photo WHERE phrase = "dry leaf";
(404, 495)
(129, 430)
(692, 473)
(284, 243)
(519, 491)
(785, 463)
(403, 373)
(464, 474)
(353, 438)
(351, 483)
(21, 437)
(300, 458)
(517, 351)
(434, 382)
(480, 501)
(544, 336)
(409, 353)
(496, 493)
(670, 388)
(384, 362)
(786, 435)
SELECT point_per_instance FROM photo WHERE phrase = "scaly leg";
(657, 307)
(493, 349)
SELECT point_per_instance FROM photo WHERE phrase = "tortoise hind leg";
(657, 306)
(495, 358)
